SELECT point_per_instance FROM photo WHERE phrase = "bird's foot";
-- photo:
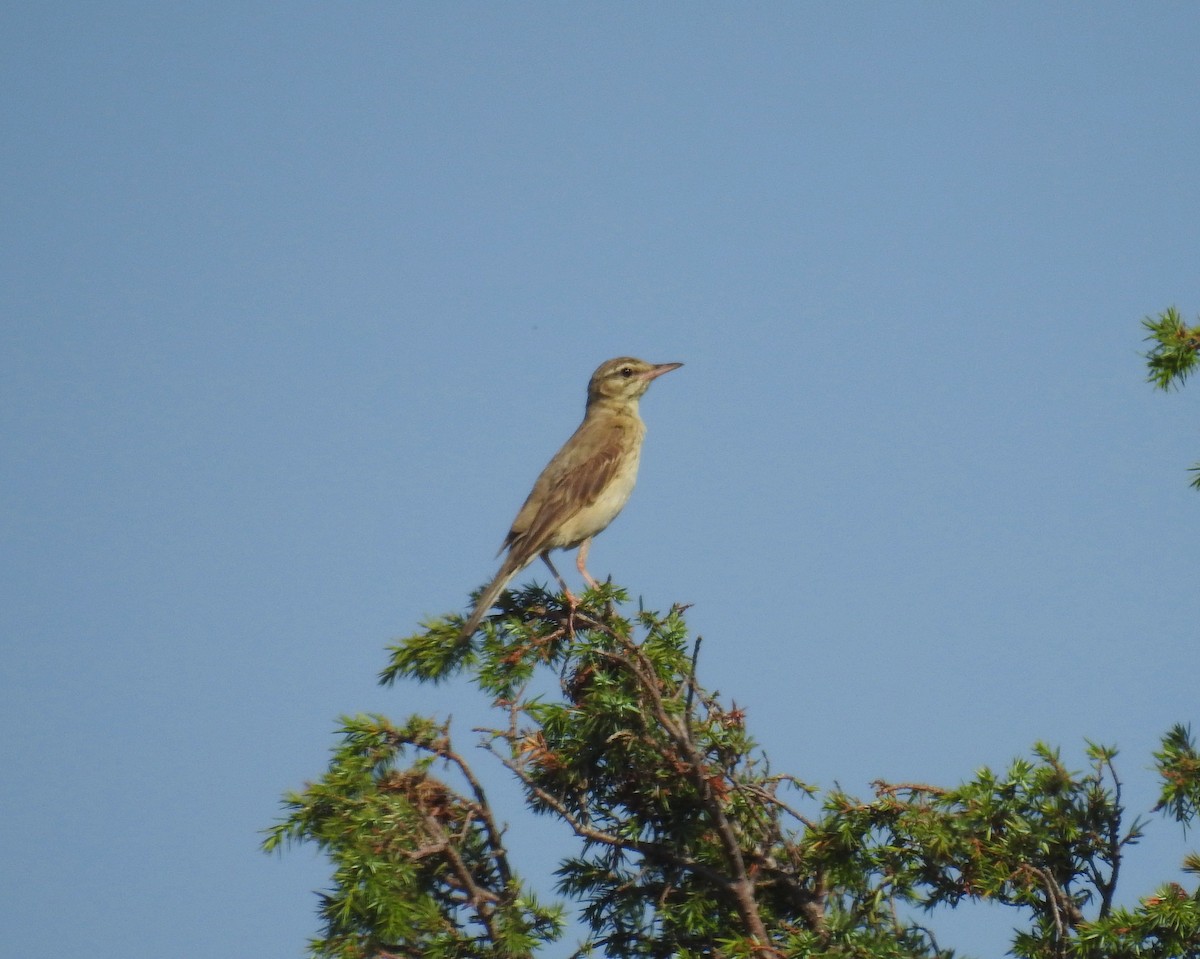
(572, 605)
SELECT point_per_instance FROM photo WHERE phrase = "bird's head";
(625, 379)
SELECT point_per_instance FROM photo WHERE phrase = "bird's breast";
(596, 516)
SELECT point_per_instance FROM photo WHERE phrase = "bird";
(585, 485)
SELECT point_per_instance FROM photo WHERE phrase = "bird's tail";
(508, 569)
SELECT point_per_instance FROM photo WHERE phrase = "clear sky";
(298, 299)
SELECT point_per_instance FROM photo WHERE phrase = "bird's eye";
(626, 372)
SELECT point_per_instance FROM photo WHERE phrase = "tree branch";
(741, 886)
(652, 850)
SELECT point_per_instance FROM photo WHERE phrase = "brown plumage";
(585, 485)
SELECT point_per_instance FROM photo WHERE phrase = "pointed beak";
(656, 371)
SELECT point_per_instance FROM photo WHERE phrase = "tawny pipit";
(587, 483)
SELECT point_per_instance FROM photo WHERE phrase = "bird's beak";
(656, 371)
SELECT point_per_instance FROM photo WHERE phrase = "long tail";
(508, 569)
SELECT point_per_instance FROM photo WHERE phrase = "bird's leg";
(570, 597)
(581, 563)
(572, 602)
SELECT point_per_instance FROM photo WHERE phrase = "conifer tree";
(687, 843)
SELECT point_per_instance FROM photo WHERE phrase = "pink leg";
(581, 563)
(571, 600)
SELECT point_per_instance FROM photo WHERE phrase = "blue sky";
(297, 301)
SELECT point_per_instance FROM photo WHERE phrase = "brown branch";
(652, 850)
(809, 902)
(484, 810)
(741, 886)
(441, 747)
(482, 900)
(1062, 907)
(767, 796)
(1052, 893)
(890, 789)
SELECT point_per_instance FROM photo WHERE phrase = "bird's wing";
(572, 481)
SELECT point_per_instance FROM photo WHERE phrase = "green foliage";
(1178, 764)
(419, 868)
(688, 845)
(1173, 357)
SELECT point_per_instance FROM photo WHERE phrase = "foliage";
(420, 867)
(1178, 764)
(688, 844)
(1173, 357)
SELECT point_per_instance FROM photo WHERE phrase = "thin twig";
(1107, 889)
(691, 686)
(767, 796)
